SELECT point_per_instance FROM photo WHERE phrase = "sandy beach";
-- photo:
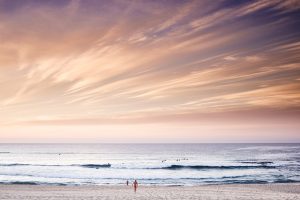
(210, 192)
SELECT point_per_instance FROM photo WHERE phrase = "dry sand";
(261, 192)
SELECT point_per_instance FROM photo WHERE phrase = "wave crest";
(205, 167)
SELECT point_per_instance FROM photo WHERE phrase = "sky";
(149, 71)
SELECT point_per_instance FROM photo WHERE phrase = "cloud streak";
(110, 61)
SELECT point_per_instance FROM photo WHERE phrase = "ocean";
(150, 164)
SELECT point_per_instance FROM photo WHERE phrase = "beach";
(150, 164)
(169, 171)
(210, 192)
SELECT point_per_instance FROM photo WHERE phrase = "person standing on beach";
(135, 185)
(127, 182)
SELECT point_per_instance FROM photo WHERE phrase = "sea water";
(159, 164)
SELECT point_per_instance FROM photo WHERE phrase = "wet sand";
(209, 192)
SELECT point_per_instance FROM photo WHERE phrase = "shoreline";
(141, 184)
(225, 191)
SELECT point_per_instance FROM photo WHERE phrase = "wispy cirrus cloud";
(112, 60)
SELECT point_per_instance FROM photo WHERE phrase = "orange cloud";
(123, 62)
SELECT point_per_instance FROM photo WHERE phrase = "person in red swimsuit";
(135, 185)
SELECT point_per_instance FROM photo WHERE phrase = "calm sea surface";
(161, 164)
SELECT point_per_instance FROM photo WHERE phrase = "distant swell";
(14, 164)
(257, 162)
(171, 167)
(96, 166)
(203, 167)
